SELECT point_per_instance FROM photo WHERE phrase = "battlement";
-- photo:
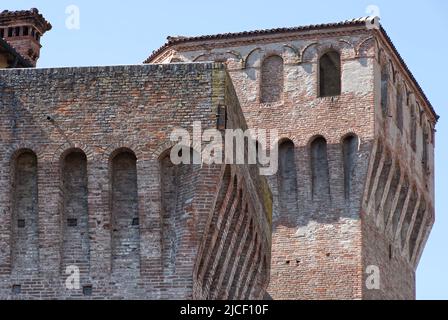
(23, 30)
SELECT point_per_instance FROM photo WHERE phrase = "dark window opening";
(425, 150)
(87, 290)
(350, 148)
(26, 31)
(17, 33)
(10, 30)
(2, 33)
(330, 74)
(21, 223)
(413, 126)
(17, 289)
(221, 118)
(72, 222)
(320, 170)
(400, 109)
(272, 80)
(135, 222)
(384, 91)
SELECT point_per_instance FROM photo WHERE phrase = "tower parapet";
(23, 30)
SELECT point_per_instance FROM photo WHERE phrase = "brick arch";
(366, 44)
(345, 49)
(410, 96)
(124, 212)
(247, 60)
(329, 73)
(120, 150)
(283, 139)
(66, 148)
(387, 65)
(270, 53)
(219, 55)
(74, 210)
(111, 150)
(313, 137)
(13, 151)
(272, 77)
(399, 81)
(306, 54)
(423, 119)
(287, 180)
(24, 211)
(320, 169)
(350, 143)
(289, 49)
(351, 132)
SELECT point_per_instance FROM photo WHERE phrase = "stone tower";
(23, 31)
(354, 193)
(88, 187)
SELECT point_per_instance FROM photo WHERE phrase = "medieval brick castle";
(86, 178)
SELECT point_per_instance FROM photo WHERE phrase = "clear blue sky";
(125, 32)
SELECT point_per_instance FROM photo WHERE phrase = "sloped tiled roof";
(343, 24)
(231, 35)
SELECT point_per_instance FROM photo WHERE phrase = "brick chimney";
(23, 30)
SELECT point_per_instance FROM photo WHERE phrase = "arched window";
(319, 169)
(350, 148)
(425, 142)
(384, 90)
(413, 126)
(271, 80)
(330, 74)
(25, 234)
(287, 179)
(125, 223)
(75, 247)
(400, 108)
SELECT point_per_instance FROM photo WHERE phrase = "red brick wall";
(121, 119)
(354, 206)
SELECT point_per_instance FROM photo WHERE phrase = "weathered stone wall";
(84, 182)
